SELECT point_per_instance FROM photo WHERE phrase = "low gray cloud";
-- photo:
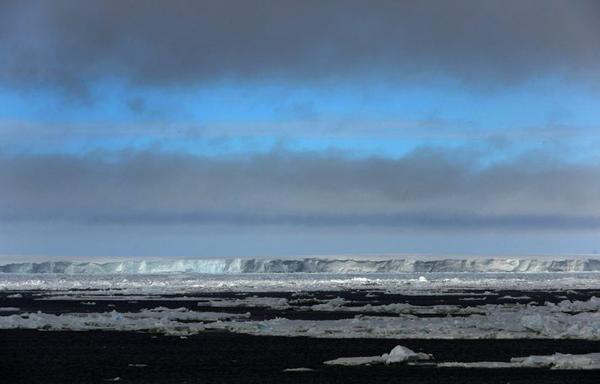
(182, 42)
(427, 190)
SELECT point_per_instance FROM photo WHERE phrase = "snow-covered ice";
(252, 301)
(560, 361)
(160, 319)
(577, 320)
(556, 361)
(360, 360)
(399, 354)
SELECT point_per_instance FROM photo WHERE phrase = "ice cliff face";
(307, 265)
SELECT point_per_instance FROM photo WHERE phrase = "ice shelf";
(307, 265)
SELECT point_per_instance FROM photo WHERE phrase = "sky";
(280, 128)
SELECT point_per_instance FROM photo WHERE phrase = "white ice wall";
(306, 265)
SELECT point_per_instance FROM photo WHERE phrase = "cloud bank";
(428, 189)
(181, 42)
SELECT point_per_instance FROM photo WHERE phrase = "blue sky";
(159, 127)
(353, 115)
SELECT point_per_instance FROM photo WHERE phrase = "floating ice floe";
(342, 305)
(252, 301)
(399, 354)
(593, 304)
(491, 321)
(508, 297)
(577, 320)
(556, 361)
(164, 320)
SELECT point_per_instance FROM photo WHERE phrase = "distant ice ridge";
(306, 265)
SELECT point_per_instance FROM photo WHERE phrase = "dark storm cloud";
(427, 189)
(69, 43)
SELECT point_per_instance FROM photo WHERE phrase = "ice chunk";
(363, 360)
(399, 354)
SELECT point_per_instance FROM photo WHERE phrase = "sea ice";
(560, 361)
(252, 301)
(492, 321)
(399, 354)
(184, 283)
(164, 320)
(508, 297)
(577, 320)
(556, 361)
